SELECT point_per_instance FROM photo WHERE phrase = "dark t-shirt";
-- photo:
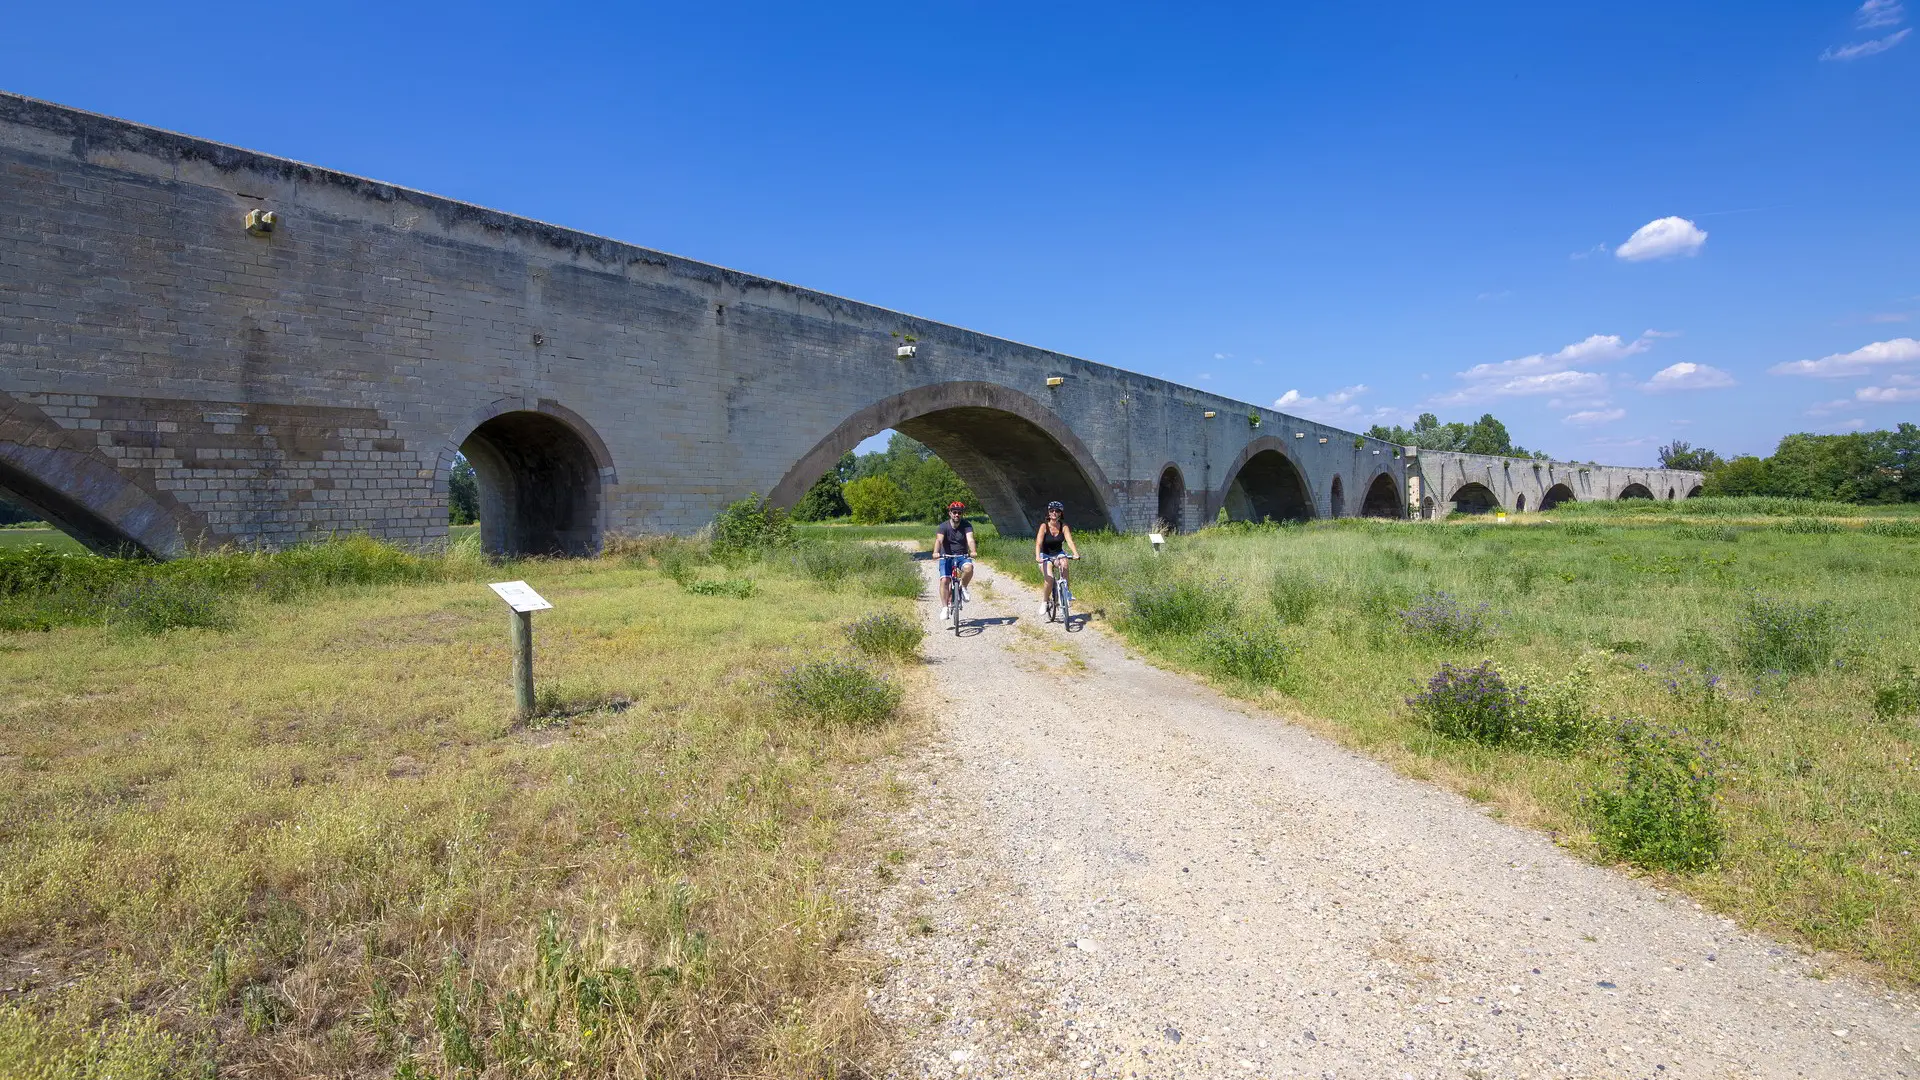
(953, 538)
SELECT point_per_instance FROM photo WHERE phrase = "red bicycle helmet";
(956, 505)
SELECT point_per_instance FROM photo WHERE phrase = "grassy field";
(1729, 706)
(312, 840)
(53, 538)
(982, 530)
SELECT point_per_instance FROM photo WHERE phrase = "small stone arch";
(1670, 492)
(1694, 491)
(1474, 498)
(1557, 494)
(1427, 508)
(1336, 500)
(1520, 503)
(1172, 502)
(542, 473)
(1635, 491)
(1011, 450)
(1265, 483)
(1383, 498)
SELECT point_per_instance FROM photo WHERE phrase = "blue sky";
(1365, 211)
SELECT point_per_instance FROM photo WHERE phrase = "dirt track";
(1113, 871)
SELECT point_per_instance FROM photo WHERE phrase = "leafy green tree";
(1683, 455)
(463, 493)
(1865, 466)
(1744, 475)
(1486, 435)
(874, 500)
(824, 499)
(926, 483)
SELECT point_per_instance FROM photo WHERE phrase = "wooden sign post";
(524, 602)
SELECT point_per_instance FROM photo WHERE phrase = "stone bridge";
(1441, 483)
(202, 345)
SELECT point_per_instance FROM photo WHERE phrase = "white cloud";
(1594, 416)
(1887, 395)
(1866, 48)
(1888, 317)
(1665, 238)
(1327, 408)
(1858, 362)
(1596, 349)
(1904, 380)
(1828, 408)
(1684, 376)
(1877, 13)
(1597, 249)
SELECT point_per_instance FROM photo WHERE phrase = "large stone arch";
(543, 474)
(1011, 450)
(1694, 491)
(1265, 482)
(62, 476)
(1336, 498)
(1383, 498)
(1557, 494)
(1635, 491)
(1474, 497)
(1171, 502)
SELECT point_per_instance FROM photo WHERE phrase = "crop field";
(1720, 693)
(272, 815)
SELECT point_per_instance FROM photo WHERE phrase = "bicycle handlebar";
(1062, 555)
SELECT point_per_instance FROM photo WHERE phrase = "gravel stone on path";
(1113, 871)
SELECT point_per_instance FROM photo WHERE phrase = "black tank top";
(1053, 543)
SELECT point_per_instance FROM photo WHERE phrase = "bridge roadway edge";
(268, 390)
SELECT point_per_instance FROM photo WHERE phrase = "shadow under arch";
(1694, 491)
(1557, 494)
(1382, 499)
(542, 474)
(1635, 491)
(1264, 483)
(1337, 499)
(1172, 505)
(1014, 453)
(1474, 498)
(61, 477)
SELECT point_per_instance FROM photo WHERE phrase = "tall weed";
(1787, 636)
(836, 691)
(1662, 809)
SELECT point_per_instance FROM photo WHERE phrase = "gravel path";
(1111, 871)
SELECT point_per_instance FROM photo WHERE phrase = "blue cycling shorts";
(948, 562)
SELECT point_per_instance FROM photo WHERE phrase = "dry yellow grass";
(318, 845)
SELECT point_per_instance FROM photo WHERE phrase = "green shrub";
(1251, 653)
(157, 605)
(1557, 714)
(836, 691)
(886, 633)
(1786, 636)
(1809, 526)
(1444, 618)
(732, 588)
(1897, 697)
(1293, 598)
(872, 499)
(1176, 605)
(1471, 703)
(1661, 810)
(1904, 529)
(1581, 528)
(750, 528)
(1720, 533)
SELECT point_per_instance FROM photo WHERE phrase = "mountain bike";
(1060, 597)
(956, 592)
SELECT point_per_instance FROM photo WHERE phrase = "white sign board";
(520, 596)
(1156, 538)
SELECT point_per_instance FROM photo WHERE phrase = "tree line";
(904, 482)
(1484, 436)
(1861, 466)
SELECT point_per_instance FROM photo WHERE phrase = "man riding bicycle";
(1051, 547)
(953, 544)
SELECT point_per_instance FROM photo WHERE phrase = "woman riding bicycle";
(1051, 547)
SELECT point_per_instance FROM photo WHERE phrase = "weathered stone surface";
(174, 380)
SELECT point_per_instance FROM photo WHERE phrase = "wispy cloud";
(1858, 362)
(1866, 48)
(1556, 373)
(1877, 13)
(1595, 349)
(1597, 249)
(1887, 395)
(1685, 376)
(1593, 417)
(1335, 407)
(1663, 238)
(1888, 317)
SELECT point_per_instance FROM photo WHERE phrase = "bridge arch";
(1383, 498)
(1520, 503)
(1172, 509)
(1336, 499)
(1694, 491)
(1557, 494)
(63, 478)
(1265, 482)
(1011, 450)
(542, 474)
(1635, 491)
(1474, 498)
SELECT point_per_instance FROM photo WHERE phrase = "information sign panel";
(520, 596)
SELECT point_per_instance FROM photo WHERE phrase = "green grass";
(52, 538)
(1766, 649)
(318, 843)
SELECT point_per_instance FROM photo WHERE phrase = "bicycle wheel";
(1064, 605)
(953, 590)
